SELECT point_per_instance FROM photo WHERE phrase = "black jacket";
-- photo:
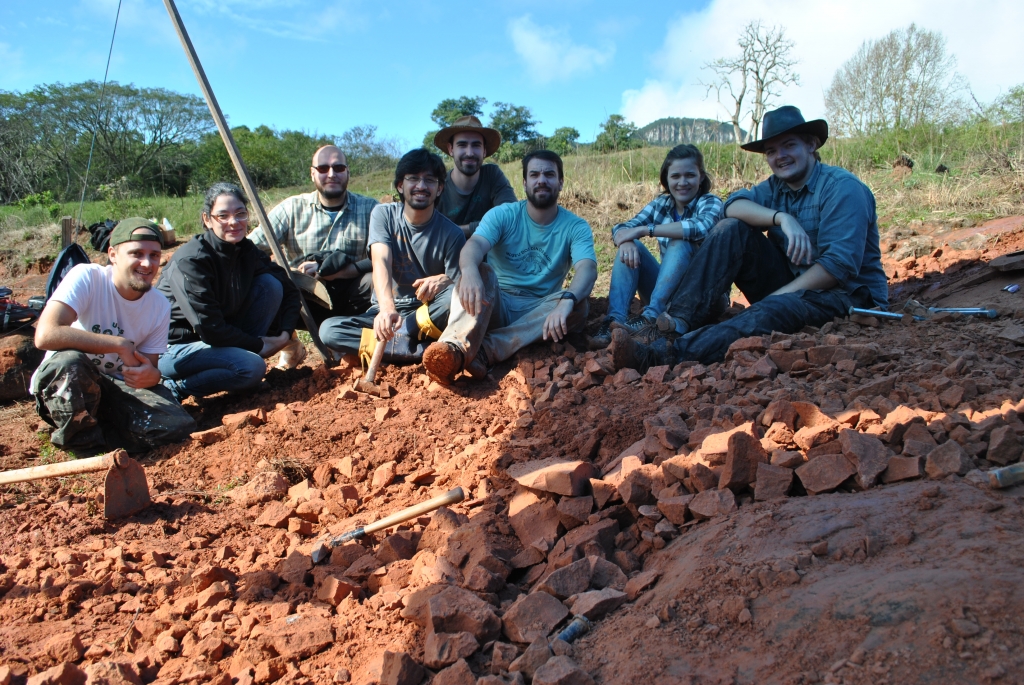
(207, 281)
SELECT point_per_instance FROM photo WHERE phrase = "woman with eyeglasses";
(231, 307)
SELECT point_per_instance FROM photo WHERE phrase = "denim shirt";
(837, 211)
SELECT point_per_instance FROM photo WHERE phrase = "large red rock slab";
(825, 473)
(569, 478)
(298, 636)
(533, 616)
(867, 453)
(712, 503)
(454, 610)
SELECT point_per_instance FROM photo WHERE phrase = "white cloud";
(550, 55)
(989, 53)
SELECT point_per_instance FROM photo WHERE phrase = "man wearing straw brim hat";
(802, 246)
(472, 187)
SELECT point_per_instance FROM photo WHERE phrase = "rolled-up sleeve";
(760, 194)
(643, 217)
(842, 231)
(706, 214)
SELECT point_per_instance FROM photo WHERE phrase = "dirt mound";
(910, 583)
(670, 508)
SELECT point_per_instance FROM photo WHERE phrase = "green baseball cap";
(135, 228)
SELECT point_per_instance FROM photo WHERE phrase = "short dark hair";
(686, 151)
(416, 162)
(547, 156)
(215, 191)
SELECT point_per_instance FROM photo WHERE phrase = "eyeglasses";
(338, 168)
(241, 217)
(428, 181)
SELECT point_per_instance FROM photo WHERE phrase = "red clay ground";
(913, 581)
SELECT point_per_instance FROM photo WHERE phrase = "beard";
(139, 285)
(468, 166)
(418, 201)
(543, 203)
(332, 194)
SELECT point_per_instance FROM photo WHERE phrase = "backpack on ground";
(13, 314)
(100, 234)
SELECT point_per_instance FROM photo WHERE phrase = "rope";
(103, 92)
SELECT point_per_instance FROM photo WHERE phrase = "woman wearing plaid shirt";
(679, 218)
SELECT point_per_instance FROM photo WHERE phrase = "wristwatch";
(568, 295)
(650, 230)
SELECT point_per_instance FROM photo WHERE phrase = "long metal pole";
(243, 173)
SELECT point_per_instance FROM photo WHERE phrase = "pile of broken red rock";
(584, 530)
(570, 537)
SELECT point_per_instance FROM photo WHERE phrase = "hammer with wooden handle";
(322, 550)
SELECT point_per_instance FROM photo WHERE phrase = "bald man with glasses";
(324, 235)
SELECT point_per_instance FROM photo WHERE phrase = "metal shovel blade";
(125, 489)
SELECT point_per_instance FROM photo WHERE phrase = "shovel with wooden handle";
(125, 489)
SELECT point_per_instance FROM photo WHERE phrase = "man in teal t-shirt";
(517, 297)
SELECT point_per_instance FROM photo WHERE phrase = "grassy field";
(985, 180)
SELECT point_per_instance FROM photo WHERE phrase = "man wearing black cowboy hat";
(802, 246)
(472, 187)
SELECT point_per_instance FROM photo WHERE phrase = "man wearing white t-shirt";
(104, 329)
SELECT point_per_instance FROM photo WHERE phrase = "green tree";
(563, 140)
(366, 152)
(516, 124)
(274, 158)
(617, 134)
(143, 135)
(905, 79)
(1009, 108)
(450, 109)
(447, 111)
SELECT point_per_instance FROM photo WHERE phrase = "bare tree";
(730, 82)
(761, 70)
(902, 80)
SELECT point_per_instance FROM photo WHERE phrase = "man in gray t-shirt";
(415, 254)
(472, 188)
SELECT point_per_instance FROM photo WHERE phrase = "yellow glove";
(426, 326)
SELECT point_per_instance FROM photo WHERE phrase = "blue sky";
(328, 66)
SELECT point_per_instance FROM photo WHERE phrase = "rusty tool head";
(125, 489)
(367, 383)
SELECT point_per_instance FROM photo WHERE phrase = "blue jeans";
(198, 369)
(655, 282)
(736, 253)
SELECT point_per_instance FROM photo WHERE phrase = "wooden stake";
(243, 174)
(67, 226)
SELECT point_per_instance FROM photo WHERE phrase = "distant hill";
(675, 130)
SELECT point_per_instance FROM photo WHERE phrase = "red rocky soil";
(814, 509)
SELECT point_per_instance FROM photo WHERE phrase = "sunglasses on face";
(338, 168)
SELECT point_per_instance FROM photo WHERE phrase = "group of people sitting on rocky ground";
(456, 275)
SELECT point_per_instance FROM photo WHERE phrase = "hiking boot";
(670, 324)
(628, 353)
(292, 354)
(478, 368)
(642, 329)
(603, 336)
(634, 324)
(172, 386)
(443, 362)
